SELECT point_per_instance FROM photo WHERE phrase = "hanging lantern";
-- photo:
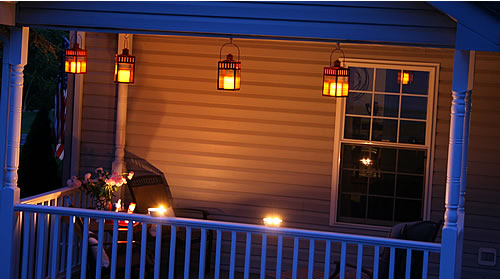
(405, 77)
(336, 78)
(75, 60)
(124, 67)
(229, 73)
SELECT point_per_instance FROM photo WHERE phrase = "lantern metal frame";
(336, 71)
(76, 53)
(229, 65)
(125, 58)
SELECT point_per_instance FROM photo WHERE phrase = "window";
(383, 145)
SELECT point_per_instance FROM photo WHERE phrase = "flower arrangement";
(102, 187)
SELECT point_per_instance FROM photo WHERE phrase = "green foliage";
(40, 74)
(38, 169)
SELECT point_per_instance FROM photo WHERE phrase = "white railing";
(282, 250)
(67, 196)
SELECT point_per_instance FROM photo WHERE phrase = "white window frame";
(433, 69)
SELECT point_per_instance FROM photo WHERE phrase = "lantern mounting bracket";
(339, 49)
(230, 43)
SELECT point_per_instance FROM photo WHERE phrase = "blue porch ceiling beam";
(477, 27)
(412, 25)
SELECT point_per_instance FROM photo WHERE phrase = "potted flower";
(101, 188)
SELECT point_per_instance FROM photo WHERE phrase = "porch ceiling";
(400, 23)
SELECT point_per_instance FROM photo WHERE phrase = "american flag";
(60, 107)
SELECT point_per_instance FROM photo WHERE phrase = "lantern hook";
(76, 40)
(339, 49)
(125, 41)
(230, 43)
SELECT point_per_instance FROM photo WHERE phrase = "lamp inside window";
(75, 60)
(336, 78)
(124, 66)
(229, 71)
(405, 77)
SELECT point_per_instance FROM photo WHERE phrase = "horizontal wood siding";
(415, 23)
(99, 103)
(268, 148)
(482, 220)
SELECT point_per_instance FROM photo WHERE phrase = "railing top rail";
(218, 225)
(48, 195)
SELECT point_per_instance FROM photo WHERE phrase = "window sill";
(360, 227)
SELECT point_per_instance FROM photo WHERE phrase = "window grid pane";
(371, 193)
(357, 104)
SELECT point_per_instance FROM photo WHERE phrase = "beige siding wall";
(99, 105)
(268, 148)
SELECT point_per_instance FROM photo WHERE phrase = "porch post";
(463, 178)
(121, 114)
(9, 234)
(450, 236)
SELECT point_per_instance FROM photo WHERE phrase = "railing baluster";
(425, 265)
(279, 256)
(100, 240)
(114, 249)
(171, 259)
(233, 255)
(85, 245)
(359, 265)
(158, 250)
(69, 259)
(64, 237)
(51, 239)
(45, 241)
(343, 249)
(144, 236)
(26, 245)
(217, 254)
(128, 259)
(187, 253)
(33, 225)
(263, 257)
(203, 244)
(408, 264)
(248, 250)
(327, 259)
(391, 263)
(295, 257)
(310, 267)
(376, 260)
(40, 244)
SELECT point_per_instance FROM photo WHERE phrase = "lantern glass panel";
(229, 79)
(336, 86)
(124, 72)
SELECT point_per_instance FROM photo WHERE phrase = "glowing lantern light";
(405, 78)
(272, 221)
(124, 67)
(366, 161)
(229, 71)
(75, 60)
(336, 78)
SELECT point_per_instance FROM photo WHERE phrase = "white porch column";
(121, 113)
(450, 236)
(18, 55)
(465, 157)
